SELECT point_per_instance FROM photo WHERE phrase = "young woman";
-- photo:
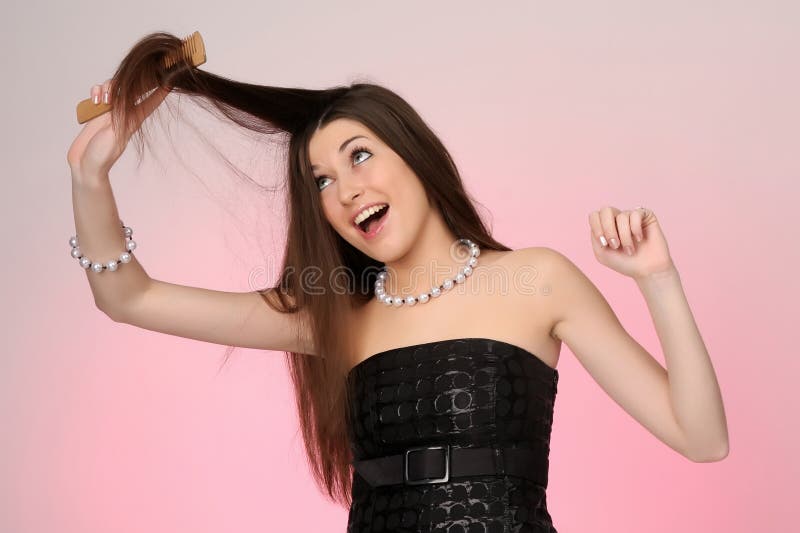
(422, 351)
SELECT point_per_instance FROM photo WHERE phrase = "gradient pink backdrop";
(551, 110)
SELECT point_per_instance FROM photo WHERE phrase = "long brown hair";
(320, 385)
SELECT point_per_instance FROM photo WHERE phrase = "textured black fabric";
(468, 392)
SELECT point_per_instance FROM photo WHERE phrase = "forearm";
(101, 239)
(694, 391)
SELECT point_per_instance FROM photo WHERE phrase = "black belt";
(437, 464)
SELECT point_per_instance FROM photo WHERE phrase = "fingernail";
(614, 243)
(96, 99)
(629, 250)
(638, 238)
(105, 97)
(603, 241)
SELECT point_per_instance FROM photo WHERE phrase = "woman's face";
(354, 169)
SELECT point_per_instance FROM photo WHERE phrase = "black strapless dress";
(468, 392)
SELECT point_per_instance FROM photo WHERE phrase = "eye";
(319, 179)
(359, 149)
(353, 152)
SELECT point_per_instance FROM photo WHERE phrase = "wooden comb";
(192, 49)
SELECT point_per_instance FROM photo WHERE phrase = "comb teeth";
(192, 50)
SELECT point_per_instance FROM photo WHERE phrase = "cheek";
(330, 216)
(333, 214)
(411, 190)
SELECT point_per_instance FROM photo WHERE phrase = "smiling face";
(353, 169)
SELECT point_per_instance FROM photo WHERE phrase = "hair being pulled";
(320, 381)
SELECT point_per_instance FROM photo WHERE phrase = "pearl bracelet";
(125, 257)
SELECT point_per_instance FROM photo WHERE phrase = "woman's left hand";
(637, 229)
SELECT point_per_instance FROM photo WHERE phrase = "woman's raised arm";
(229, 318)
(128, 294)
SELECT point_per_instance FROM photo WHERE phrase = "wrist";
(92, 179)
(666, 275)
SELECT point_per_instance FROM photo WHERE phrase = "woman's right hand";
(96, 148)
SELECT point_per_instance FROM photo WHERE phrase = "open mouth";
(369, 224)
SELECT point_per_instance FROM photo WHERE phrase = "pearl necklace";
(436, 290)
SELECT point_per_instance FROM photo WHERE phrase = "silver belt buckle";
(427, 480)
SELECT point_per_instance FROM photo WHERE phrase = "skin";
(380, 175)
(681, 405)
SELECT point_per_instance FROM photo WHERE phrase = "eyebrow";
(342, 147)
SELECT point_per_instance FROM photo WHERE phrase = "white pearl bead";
(112, 265)
(435, 292)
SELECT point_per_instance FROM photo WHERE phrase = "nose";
(350, 189)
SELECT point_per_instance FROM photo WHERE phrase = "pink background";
(551, 110)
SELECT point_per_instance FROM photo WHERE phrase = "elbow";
(109, 311)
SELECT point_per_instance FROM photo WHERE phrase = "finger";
(100, 120)
(94, 94)
(636, 225)
(624, 231)
(609, 224)
(597, 228)
(105, 92)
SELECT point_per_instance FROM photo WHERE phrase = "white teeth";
(367, 212)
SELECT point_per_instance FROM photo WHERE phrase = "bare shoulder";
(541, 261)
(525, 255)
(551, 275)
